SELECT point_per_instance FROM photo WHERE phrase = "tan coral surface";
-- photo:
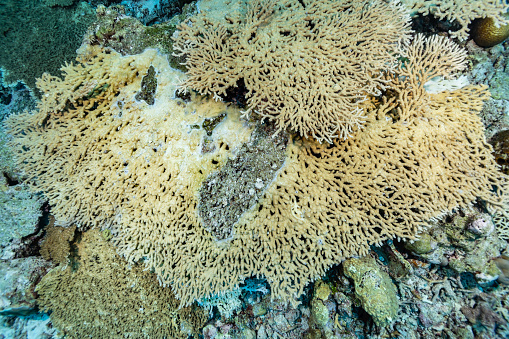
(56, 243)
(102, 157)
(107, 160)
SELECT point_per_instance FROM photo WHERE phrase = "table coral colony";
(205, 198)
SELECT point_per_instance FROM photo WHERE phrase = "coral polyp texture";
(105, 159)
(305, 64)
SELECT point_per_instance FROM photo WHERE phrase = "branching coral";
(101, 297)
(107, 160)
(296, 59)
(461, 11)
(100, 155)
(56, 244)
(419, 155)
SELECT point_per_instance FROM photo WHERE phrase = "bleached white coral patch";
(439, 84)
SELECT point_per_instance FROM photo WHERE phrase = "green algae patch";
(320, 312)
(374, 288)
(322, 290)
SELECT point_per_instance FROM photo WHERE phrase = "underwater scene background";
(254, 169)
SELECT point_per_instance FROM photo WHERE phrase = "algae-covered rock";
(8, 168)
(499, 86)
(19, 213)
(424, 244)
(323, 309)
(259, 310)
(476, 258)
(320, 312)
(322, 290)
(20, 208)
(374, 288)
(15, 98)
(19, 277)
(128, 35)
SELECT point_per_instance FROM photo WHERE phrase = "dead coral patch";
(240, 183)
